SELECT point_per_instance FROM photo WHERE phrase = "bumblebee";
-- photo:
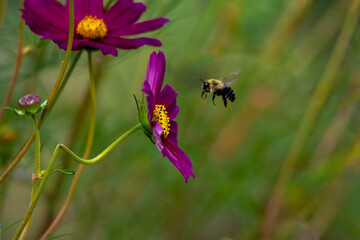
(220, 88)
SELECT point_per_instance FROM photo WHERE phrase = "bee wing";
(230, 78)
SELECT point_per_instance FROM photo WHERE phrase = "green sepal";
(142, 112)
(26, 111)
(18, 112)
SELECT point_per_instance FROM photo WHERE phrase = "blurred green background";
(284, 49)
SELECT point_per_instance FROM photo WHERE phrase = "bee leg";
(202, 95)
(225, 103)
(213, 99)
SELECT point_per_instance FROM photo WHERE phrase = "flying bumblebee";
(220, 88)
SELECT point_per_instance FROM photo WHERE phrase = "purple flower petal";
(167, 95)
(138, 28)
(155, 72)
(37, 17)
(83, 8)
(167, 144)
(172, 110)
(124, 43)
(104, 48)
(79, 44)
(117, 10)
(168, 98)
(131, 15)
(172, 137)
(179, 159)
(50, 19)
(157, 133)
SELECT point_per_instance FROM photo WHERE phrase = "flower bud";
(31, 103)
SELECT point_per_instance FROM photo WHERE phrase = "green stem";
(75, 157)
(78, 173)
(52, 97)
(55, 90)
(37, 146)
(37, 194)
(37, 171)
(92, 90)
(103, 153)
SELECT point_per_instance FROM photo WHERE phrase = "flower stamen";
(160, 115)
(92, 28)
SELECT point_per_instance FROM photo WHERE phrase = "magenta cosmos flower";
(162, 110)
(94, 27)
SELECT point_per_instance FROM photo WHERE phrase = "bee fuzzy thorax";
(214, 84)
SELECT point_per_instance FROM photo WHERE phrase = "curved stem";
(52, 99)
(72, 189)
(37, 171)
(103, 153)
(92, 90)
(17, 65)
(54, 194)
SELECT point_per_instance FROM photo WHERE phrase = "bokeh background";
(285, 50)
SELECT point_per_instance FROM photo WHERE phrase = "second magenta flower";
(162, 110)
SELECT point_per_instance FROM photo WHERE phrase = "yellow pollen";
(160, 115)
(92, 28)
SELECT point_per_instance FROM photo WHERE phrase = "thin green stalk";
(37, 146)
(36, 177)
(103, 153)
(37, 194)
(52, 97)
(50, 168)
(92, 90)
(317, 101)
(78, 122)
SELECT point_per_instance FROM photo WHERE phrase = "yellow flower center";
(92, 28)
(160, 115)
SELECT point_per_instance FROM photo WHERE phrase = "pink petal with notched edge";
(37, 17)
(138, 28)
(117, 10)
(130, 16)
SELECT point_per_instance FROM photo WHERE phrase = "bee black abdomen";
(229, 93)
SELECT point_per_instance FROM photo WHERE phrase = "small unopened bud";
(31, 103)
